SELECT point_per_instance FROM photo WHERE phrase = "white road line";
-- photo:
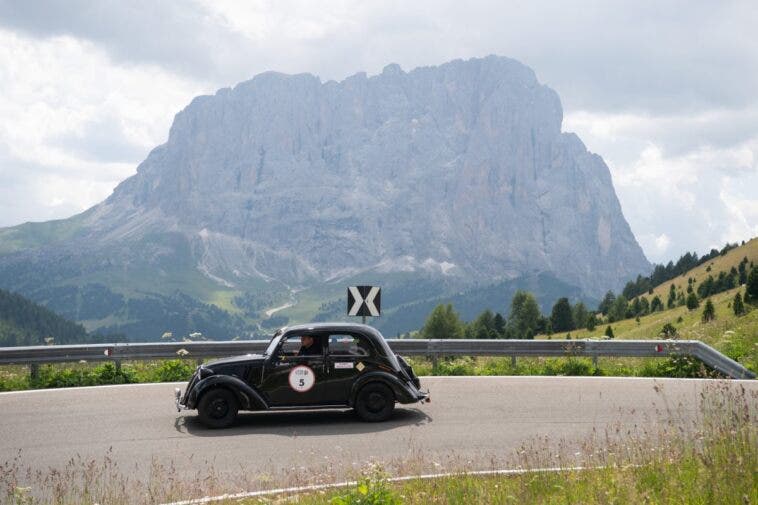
(336, 485)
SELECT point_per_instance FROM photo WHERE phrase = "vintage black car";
(315, 366)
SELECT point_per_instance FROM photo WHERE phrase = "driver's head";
(306, 341)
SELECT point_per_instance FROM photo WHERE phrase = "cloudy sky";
(666, 92)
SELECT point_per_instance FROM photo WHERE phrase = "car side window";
(349, 345)
(302, 345)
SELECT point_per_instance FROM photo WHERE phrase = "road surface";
(473, 422)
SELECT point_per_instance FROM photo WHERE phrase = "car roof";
(336, 326)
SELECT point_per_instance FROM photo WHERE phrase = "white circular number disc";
(302, 378)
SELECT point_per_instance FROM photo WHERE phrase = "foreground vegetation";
(14, 378)
(708, 459)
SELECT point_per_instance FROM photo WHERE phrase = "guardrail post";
(34, 371)
(433, 354)
(594, 360)
(117, 362)
(513, 361)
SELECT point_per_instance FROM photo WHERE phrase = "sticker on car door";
(302, 378)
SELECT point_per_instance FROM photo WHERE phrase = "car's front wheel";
(375, 402)
(217, 408)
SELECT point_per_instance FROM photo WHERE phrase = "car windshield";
(274, 342)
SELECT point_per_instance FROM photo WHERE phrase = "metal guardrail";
(434, 349)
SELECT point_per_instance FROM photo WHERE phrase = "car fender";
(403, 394)
(248, 397)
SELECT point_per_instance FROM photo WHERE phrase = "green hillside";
(712, 267)
(734, 335)
(23, 322)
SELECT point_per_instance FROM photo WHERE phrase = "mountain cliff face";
(458, 172)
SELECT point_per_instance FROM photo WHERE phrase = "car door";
(348, 354)
(290, 380)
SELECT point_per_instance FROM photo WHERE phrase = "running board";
(308, 407)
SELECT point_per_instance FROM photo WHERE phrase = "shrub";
(692, 302)
(174, 370)
(737, 306)
(370, 490)
(669, 331)
(709, 312)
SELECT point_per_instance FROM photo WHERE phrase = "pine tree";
(751, 290)
(579, 313)
(609, 332)
(692, 302)
(605, 305)
(709, 311)
(591, 322)
(680, 301)
(483, 327)
(737, 306)
(524, 317)
(671, 303)
(644, 306)
(619, 309)
(656, 304)
(500, 325)
(561, 317)
(443, 322)
(742, 271)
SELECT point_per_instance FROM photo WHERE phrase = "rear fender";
(248, 397)
(403, 394)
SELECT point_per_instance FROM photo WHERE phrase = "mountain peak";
(299, 182)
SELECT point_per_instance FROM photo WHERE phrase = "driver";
(309, 346)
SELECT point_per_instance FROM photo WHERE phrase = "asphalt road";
(473, 421)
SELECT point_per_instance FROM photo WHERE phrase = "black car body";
(346, 366)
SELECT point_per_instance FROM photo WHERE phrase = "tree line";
(662, 273)
(23, 322)
(525, 319)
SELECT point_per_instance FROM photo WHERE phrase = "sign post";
(364, 301)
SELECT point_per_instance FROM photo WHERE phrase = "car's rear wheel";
(218, 408)
(375, 402)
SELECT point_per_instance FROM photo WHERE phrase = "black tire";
(218, 408)
(375, 402)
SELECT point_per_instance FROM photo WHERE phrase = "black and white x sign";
(364, 301)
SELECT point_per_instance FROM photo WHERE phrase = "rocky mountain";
(279, 191)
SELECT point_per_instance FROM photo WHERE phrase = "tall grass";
(714, 461)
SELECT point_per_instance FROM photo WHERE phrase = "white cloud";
(74, 124)
(673, 182)
(662, 242)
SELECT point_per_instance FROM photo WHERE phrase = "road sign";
(364, 301)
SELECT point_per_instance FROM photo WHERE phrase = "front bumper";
(424, 396)
(178, 400)
(415, 394)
